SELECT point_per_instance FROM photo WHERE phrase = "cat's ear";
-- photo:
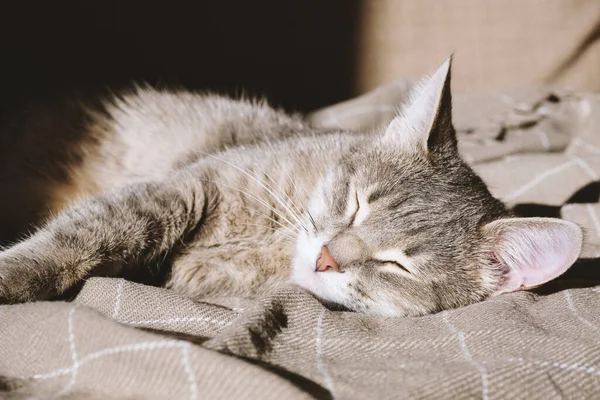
(425, 123)
(532, 251)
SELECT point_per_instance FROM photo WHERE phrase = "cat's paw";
(19, 282)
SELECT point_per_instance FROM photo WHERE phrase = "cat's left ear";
(425, 123)
(532, 251)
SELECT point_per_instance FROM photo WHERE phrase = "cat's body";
(148, 136)
(223, 197)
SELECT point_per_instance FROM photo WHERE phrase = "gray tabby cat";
(225, 197)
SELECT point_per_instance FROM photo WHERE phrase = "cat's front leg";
(101, 236)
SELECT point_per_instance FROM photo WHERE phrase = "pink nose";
(325, 261)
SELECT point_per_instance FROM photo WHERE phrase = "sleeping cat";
(216, 197)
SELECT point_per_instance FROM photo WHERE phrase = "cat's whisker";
(291, 226)
(298, 209)
(245, 172)
(307, 194)
(312, 220)
(292, 232)
(283, 193)
(250, 195)
(295, 210)
(283, 226)
(283, 201)
(275, 230)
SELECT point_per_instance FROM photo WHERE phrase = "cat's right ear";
(532, 251)
(425, 122)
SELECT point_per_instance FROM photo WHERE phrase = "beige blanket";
(538, 149)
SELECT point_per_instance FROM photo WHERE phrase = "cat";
(219, 197)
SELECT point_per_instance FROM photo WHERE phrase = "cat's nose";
(325, 261)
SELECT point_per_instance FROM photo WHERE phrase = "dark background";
(299, 54)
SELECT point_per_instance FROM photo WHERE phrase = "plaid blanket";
(538, 149)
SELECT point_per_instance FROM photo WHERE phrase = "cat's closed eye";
(353, 208)
(394, 264)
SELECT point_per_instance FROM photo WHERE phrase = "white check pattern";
(518, 346)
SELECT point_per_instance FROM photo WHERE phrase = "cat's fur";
(222, 197)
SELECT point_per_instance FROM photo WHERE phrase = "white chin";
(305, 276)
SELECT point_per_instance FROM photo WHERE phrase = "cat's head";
(404, 227)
